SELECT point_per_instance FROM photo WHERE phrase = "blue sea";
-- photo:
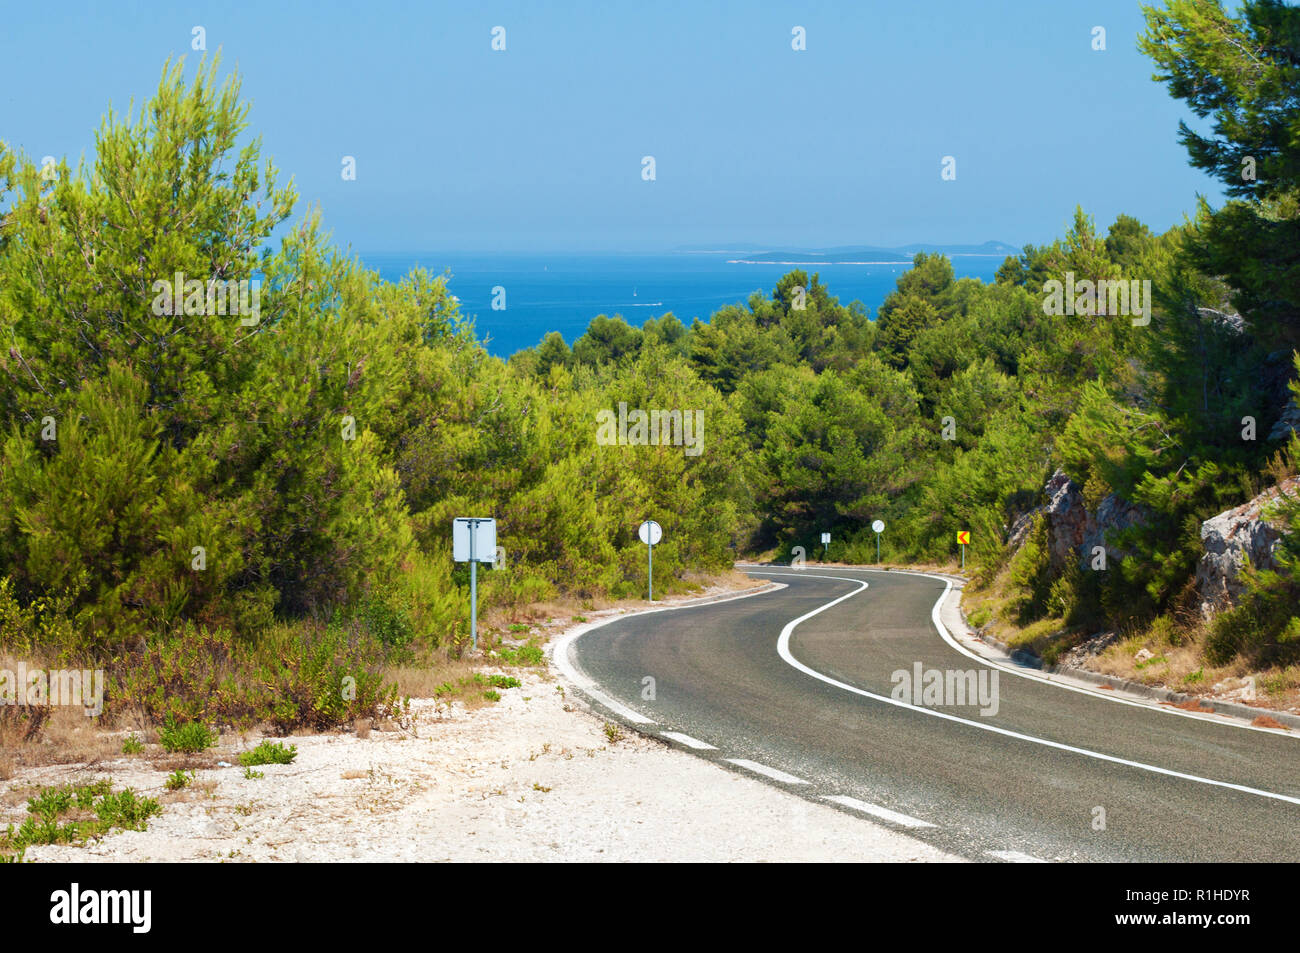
(563, 292)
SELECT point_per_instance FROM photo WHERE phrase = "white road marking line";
(883, 813)
(570, 671)
(1014, 857)
(767, 772)
(560, 655)
(687, 740)
(783, 649)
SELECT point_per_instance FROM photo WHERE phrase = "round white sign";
(878, 526)
(650, 533)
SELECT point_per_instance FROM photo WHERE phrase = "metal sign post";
(879, 527)
(473, 589)
(963, 539)
(474, 540)
(650, 533)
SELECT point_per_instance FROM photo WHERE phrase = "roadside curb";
(716, 597)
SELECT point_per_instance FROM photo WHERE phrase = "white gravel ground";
(530, 778)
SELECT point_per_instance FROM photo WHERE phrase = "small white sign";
(650, 533)
(484, 539)
(826, 539)
(878, 526)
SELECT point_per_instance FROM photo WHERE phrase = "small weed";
(251, 775)
(1193, 677)
(530, 654)
(179, 779)
(132, 745)
(518, 627)
(492, 696)
(613, 732)
(123, 810)
(1154, 660)
(538, 787)
(504, 681)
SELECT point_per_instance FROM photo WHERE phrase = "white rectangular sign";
(485, 539)
(826, 539)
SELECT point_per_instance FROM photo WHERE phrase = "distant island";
(855, 254)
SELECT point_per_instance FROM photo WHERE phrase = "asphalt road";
(1005, 785)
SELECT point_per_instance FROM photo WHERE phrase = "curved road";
(1031, 781)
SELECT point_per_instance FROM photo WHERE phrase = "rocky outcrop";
(1073, 531)
(1234, 539)
(1288, 423)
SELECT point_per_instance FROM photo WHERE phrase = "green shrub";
(1030, 573)
(1263, 627)
(189, 738)
(269, 752)
(1164, 631)
(387, 622)
(126, 811)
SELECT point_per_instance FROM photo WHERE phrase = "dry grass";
(194, 791)
(420, 681)
(1264, 721)
(990, 608)
(65, 736)
(165, 761)
(1192, 704)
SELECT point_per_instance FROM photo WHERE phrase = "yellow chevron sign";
(963, 538)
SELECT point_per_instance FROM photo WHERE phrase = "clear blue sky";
(540, 146)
